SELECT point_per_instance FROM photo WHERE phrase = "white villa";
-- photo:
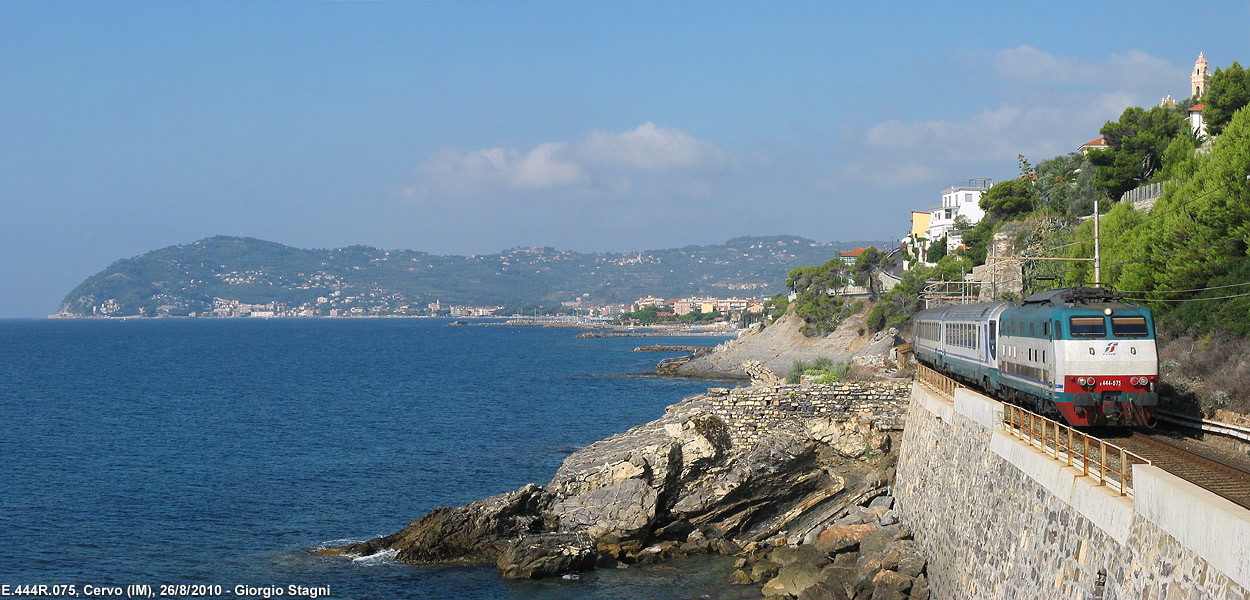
(960, 199)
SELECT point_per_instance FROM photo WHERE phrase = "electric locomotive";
(1081, 354)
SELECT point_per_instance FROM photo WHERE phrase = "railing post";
(1069, 446)
(1124, 473)
(1102, 467)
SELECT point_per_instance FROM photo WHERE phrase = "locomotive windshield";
(1129, 327)
(1088, 327)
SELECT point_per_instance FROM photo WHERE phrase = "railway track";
(1221, 478)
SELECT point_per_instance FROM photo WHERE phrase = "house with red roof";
(1098, 144)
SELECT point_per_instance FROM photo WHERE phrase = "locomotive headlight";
(1080, 381)
(1107, 311)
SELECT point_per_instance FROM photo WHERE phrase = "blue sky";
(471, 127)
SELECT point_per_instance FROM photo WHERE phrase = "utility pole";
(1097, 259)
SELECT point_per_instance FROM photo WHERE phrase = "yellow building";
(919, 223)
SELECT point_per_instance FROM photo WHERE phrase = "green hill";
(206, 275)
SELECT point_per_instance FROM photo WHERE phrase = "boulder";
(546, 555)
(472, 533)
(658, 553)
(616, 516)
(796, 577)
(890, 585)
(789, 555)
(759, 374)
(829, 589)
(839, 538)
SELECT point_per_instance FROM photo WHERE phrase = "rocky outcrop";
(780, 344)
(677, 485)
(474, 533)
(759, 374)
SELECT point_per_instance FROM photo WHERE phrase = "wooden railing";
(937, 382)
(1094, 457)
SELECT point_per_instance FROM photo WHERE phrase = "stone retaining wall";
(746, 411)
(997, 519)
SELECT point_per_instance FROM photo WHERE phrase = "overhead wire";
(1247, 294)
(1153, 256)
(1205, 289)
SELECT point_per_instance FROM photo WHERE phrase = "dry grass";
(1204, 373)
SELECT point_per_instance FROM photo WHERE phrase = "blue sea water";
(224, 452)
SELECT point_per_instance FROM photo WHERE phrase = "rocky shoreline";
(804, 504)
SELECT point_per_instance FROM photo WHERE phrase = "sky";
(474, 127)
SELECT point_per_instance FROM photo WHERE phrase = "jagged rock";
(839, 538)
(890, 585)
(829, 589)
(797, 554)
(759, 374)
(659, 552)
(764, 570)
(885, 502)
(618, 516)
(470, 534)
(796, 577)
(545, 555)
(852, 439)
(740, 577)
(920, 588)
(701, 547)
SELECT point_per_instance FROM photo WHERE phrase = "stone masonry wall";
(746, 411)
(989, 530)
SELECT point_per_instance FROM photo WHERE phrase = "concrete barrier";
(1210, 526)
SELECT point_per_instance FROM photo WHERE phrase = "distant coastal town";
(336, 305)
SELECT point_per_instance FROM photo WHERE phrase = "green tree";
(816, 299)
(1065, 183)
(900, 303)
(866, 268)
(1228, 91)
(1179, 159)
(1136, 144)
(936, 250)
(977, 241)
(1008, 199)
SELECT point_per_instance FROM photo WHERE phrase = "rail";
(1109, 463)
(937, 382)
(1207, 425)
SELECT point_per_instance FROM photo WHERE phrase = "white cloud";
(649, 147)
(1048, 105)
(1134, 72)
(601, 162)
(490, 169)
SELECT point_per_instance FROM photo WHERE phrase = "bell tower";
(1200, 77)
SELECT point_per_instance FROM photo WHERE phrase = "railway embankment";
(999, 518)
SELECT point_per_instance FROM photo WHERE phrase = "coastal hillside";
(781, 344)
(203, 276)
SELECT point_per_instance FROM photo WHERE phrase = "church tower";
(1201, 76)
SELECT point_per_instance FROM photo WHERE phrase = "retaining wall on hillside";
(997, 518)
(746, 411)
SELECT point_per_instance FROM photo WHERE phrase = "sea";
(215, 457)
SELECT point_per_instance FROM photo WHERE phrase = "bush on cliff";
(822, 367)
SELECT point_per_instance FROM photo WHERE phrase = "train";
(1081, 354)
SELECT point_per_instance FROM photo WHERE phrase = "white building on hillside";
(960, 199)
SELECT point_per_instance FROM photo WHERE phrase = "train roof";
(1076, 296)
(978, 310)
